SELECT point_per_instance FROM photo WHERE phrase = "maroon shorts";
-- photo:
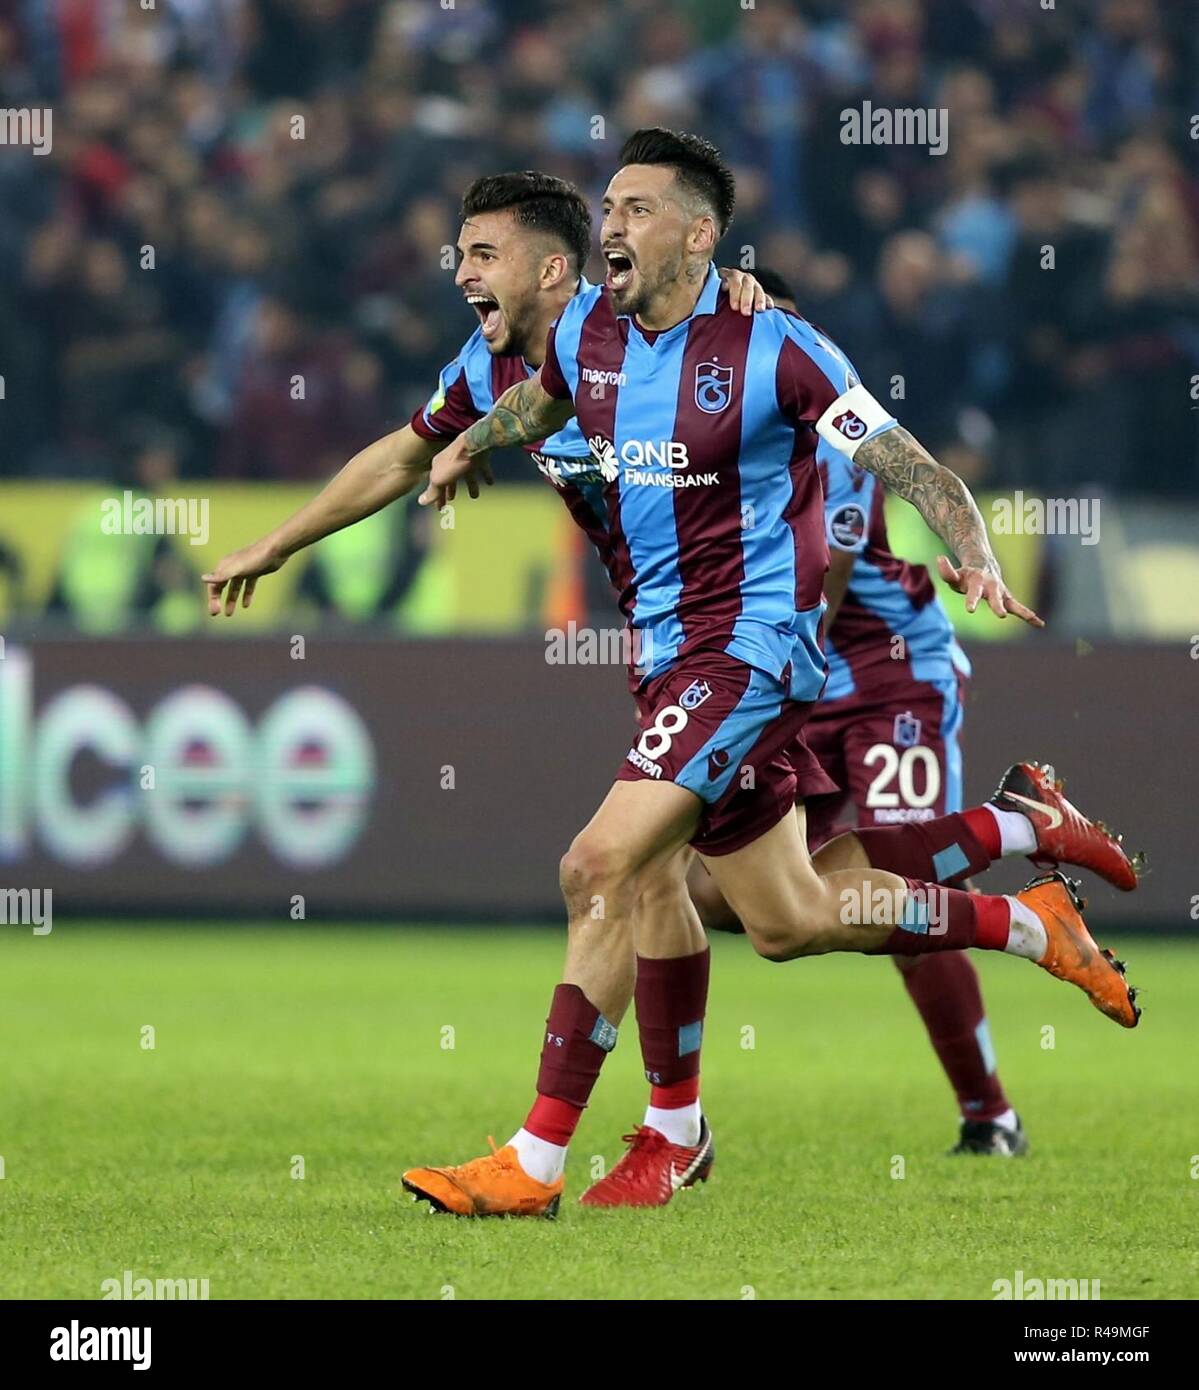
(895, 753)
(727, 732)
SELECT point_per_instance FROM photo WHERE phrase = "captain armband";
(853, 418)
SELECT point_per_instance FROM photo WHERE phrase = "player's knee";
(781, 942)
(772, 946)
(593, 871)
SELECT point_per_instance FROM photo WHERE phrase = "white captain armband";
(852, 419)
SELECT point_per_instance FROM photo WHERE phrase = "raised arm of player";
(524, 414)
(380, 473)
(945, 503)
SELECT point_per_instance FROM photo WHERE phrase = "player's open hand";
(745, 294)
(979, 585)
(451, 467)
(237, 574)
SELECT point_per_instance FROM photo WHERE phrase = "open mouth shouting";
(491, 316)
(620, 269)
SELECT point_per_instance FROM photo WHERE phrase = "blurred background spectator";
(247, 194)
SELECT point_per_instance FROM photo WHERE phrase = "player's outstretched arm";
(377, 475)
(944, 501)
(524, 414)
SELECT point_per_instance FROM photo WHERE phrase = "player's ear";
(554, 269)
(703, 236)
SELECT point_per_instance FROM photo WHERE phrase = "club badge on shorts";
(695, 694)
(906, 733)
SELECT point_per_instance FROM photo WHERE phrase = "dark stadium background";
(175, 129)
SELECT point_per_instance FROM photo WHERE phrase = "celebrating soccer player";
(703, 426)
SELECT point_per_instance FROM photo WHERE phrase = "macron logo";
(598, 378)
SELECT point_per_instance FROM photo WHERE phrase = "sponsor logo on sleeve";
(847, 526)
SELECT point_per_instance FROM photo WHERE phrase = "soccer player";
(524, 240)
(886, 730)
(703, 427)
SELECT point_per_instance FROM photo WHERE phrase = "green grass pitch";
(332, 1044)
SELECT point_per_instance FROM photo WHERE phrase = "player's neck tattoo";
(694, 276)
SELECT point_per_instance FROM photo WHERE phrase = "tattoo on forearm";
(522, 415)
(940, 496)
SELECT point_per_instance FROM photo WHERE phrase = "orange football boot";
(1072, 955)
(495, 1185)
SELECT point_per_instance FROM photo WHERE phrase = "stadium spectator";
(324, 143)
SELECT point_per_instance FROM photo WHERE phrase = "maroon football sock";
(945, 850)
(675, 1096)
(577, 1039)
(672, 998)
(944, 988)
(946, 919)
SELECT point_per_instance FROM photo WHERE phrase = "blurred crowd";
(246, 193)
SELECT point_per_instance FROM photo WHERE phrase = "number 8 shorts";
(729, 733)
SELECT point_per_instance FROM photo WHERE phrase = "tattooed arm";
(944, 501)
(524, 414)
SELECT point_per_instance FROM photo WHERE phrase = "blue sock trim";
(949, 862)
(982, 1035)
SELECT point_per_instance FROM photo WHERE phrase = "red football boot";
(1064, 834)
(653, 1170)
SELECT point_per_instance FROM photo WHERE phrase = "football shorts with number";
(894, 754)
(732, 735)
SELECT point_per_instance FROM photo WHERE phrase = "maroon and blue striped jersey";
(705, 436)
(467, 389)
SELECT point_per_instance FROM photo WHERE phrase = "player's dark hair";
(540, 202)
(698, 165)
(773, 283)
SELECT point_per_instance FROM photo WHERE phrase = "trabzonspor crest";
(713, 387)
(851, 426)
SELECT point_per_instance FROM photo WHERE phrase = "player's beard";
(637, 299)
(517, 335)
